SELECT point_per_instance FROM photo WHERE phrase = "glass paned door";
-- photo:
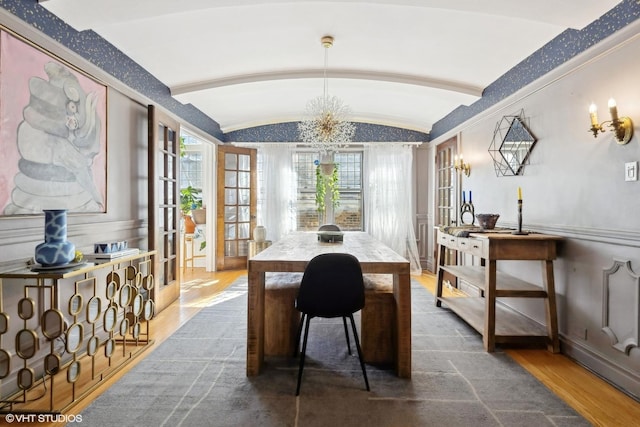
(164, 219)
(445, 198)
(236, 205)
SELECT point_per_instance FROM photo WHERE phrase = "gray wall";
(126, 216)
(125, 219)
(574, 187)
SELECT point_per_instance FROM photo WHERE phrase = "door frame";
(223, 262)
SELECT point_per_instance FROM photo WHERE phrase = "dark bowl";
(487, 221)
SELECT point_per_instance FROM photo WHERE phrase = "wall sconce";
(461, 166)
(623, 126)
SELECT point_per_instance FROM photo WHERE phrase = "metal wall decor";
(511, 145)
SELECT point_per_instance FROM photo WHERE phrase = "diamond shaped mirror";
(511, 146)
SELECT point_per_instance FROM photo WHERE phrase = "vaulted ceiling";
(403, 63)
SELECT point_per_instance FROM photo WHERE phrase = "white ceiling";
(404, 63)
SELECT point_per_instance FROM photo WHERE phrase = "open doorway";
(197, 202)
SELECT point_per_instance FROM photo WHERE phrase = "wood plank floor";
(595, 399)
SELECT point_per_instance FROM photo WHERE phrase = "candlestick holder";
(519, 230)
(467, 208)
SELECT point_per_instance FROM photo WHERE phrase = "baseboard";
(624, 380)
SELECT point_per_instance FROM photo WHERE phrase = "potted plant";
(324, 182)
(189, 200)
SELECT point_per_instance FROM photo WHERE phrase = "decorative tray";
(39, 267)
(330, 236)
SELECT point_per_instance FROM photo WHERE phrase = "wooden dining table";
(292, 254)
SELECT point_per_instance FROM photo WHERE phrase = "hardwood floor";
(595, 399)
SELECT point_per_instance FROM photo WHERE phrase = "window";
(348, 214)
(191, 173)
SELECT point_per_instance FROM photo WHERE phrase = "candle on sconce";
(613, 109)
(519, 193)
(593, 113)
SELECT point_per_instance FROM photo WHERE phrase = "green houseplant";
(324, 183)
(190, 199)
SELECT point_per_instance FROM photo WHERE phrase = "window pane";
(229, 231)
(230, 248)
(244, 179)
(243, 230)
(243, 247)
(243, 214)
(230, 179)
(230, 214)
(244, 162)
(349, 213)
(230, 161)
(230, 196)
(243, 196)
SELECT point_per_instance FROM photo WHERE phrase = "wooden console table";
(64, 332)
(497, 323)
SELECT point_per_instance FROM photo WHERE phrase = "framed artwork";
(53, 141)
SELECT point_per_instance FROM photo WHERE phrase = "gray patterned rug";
(197, 378)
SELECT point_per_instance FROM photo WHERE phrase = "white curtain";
(388, 198)
(277, 193)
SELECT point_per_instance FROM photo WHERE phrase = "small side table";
(256, 247)
(189, 251)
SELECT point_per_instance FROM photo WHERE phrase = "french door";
(446, 196)
(164, 214)
(236, 205)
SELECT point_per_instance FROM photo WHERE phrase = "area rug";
(197, 378)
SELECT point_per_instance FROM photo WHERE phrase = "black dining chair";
(329, 227)
(332, 286)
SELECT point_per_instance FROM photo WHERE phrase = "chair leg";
(346, 333)
(355, 335)
(303, 354)
(297, 347)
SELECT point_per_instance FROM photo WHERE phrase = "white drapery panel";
(389, 210)
(277, 192)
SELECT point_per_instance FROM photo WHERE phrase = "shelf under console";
(506, 285)
(511, 327)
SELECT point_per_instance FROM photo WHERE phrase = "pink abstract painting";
(53, 142)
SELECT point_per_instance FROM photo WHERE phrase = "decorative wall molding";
(621, 306)
(620, 237)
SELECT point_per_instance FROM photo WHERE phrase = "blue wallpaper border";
(559, 50)
(104, 55)
(288, 132)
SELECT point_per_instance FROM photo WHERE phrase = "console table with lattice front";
(64, 332)
(498, 323)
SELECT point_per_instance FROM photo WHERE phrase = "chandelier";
(325, 127)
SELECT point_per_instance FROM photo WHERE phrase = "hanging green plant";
(322, 182)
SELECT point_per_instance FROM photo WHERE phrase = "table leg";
(550, 306)
(255, 322)
(402, 294)
(489, 333)
(441, 253)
